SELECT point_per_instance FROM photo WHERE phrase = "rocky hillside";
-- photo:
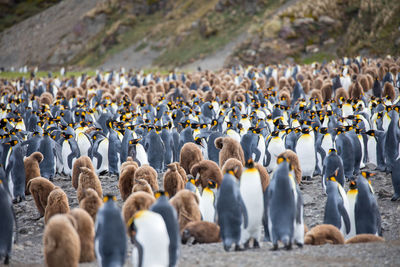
(165, 33)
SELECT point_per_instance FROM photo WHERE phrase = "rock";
(302, 21)
(384, 194)
(287, 32)
(206, 30)
(307, 199)
(329, 41)
(312, 48)
(327, 20)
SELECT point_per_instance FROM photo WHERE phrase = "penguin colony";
(232, 148)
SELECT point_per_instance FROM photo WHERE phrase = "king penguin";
(366, 210)
(165, 209)
(231, 211)
(283, 213)
(110, 239)
(6, 224)
(252, 194)
(151, 239)
(15, 171)
(207, 202)
(335, 207)
(351, 197)
(396, 179)
(305, 149)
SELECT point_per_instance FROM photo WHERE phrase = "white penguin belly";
(261, 147)
(66, 151)
(251, 191)
(83, 144)
(362, 165)
(371, 149)
(352, 201)
(234, 135)
(305, 150)
(206, 206)
(141, 155)
(327, 143)
(275, 147)
(103, 151)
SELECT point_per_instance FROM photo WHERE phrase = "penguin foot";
(247, 244)
(395, 197)
(227, 248)
(7, 260)
(274, 247)
(288, 246)
(256, 244)
(18, 199)
(300, 245)
(103, 173)
(238, 248)
(306, 178)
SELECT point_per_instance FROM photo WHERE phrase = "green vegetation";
(11, 14)
(42, 74)
(317, 57)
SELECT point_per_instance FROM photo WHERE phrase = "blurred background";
(188, 34)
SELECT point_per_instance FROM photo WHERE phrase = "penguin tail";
(286, 242)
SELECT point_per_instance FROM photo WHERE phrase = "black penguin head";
(323, 130)
(160, 193)
(370, 132)
(109, 197)
(332, 150)
(211, 184)
(367, 175)
(353, 184)
(249, 164)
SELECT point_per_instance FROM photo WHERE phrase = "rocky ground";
(29, 249)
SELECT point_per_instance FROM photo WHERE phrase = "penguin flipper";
(258, 154)
(16, 225)
(244, 212)
(99, 159)
(378, 220)
(267, 158)
(299, 205)
(345, 217)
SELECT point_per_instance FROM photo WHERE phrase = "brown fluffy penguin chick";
(316, 94)
(341, 95)
(86, 234)
(201, 232)
(126, 181)
(233, 164)
(173, 181)
(357, 91)
(83, 161)
(190, 155)
(186, 204)
(264, 176)
(364, 238)
(129, 161)
(142, 185)
(294, 161)
(206, 170)
(135, 202)
(57, 202)
(32, 169)
(182, 172)
(61, 242)
(323, 234)
(388, 91)
(88, 179)
(326, 92)
(91, 202)
(149, 174)
(230, 148)
(40, 189)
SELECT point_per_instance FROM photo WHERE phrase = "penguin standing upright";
(99, 152)
(70, 152)
(207, 202)
(396, 179)
(252, 194)
(274, 147)
(165, 209)
(114, 148)
(48, 148)
(335, 207)
(283, 213)
(366, 210)
(110, 239)
(345, 151)
(231, 211)
(332, 163)
(155, 150)
(351, 197)
(6, 224)
(305, 149)
(151, 239)
(15, 171)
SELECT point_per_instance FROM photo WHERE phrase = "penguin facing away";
(283, 213)
(396, 179)
(231, 211)
(6, 224)
(110, 238)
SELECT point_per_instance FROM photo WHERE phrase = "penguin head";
(352, 184)
(332, 150)
(249, 164)
(323, 130)
(160, 193)
(192, 179)
(367, 175)
(109, 197)
(212, 185)
(370, 133)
